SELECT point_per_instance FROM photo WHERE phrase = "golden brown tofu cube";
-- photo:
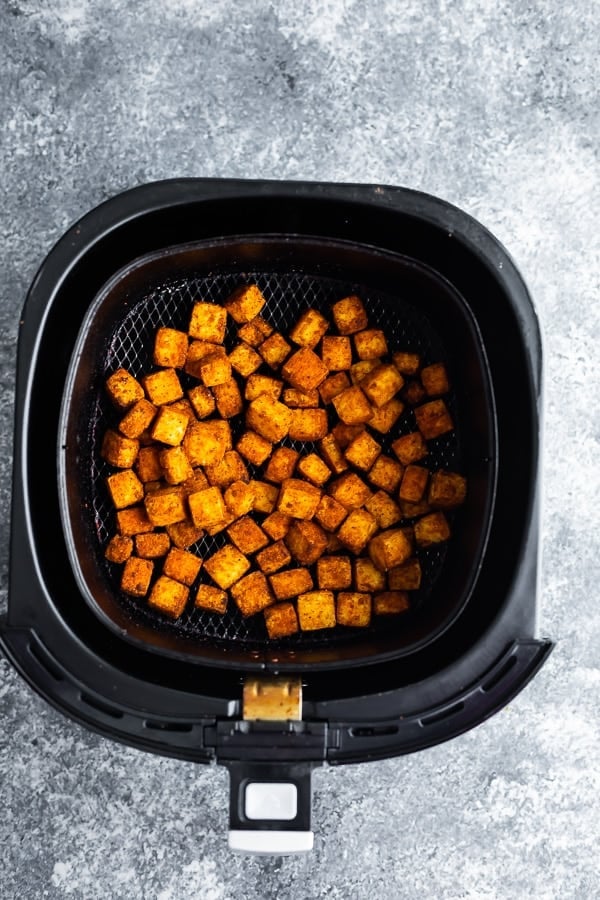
(222, 525)
(254, 447)
(265, 496)
(263, 384)
(353, 609)
(184, 534)
(308, 424)
(350, 490)
(169, 597)
(390, 603)
(136, 576)
(349, 315)
(352, 406)
(247, 535)
(386, 474)
(275, 350)
(208, 323)
(207, 507)
(305, 541)
(281, 620)
(229, 399)
(277, 525)
(206, 443)
(334, 572)
(169, 426)
(363, 451)
(166, 506)
(296, 399)
(163, 387)
(360, 370)
(304, 370)
(357, 529)
(282, 464)
(170, 348)
(336, 353)
(245, 303)
(184, 406)
(345, 434)
(215, 369)
(252, 594)
(273, 558)
(269, 418)
(433, 419)
(231, 468)
(413, 392)
(314, 469)
(125, 488)
(291, 583)
(316, 610)
(407, 363)
(410, 448)
(414, 482)
(239, 498)
(384, 509)
(370, 344)
(152, 546)
(181, 565)
(175, 465)
(133, 521)
(196, 482)
(406, 577)
(309, 329)
(382, 384)
(137, 419)
(367, 576)
(123, 389)
(226, 566)
(119, 451)
(255, 331)
(211, 598)
(389, 549)
(119, 549)
(432, 529)
(198, 351)
(330, 513)
(245, 360)
(434, 379)
(332, 454)
(447, 489)
(385, 417)
(298, 499)
(333, 386)
(202, 400)
(410, 510)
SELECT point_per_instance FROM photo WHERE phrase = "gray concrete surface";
(492, 106)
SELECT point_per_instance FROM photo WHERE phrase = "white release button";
(271, 800)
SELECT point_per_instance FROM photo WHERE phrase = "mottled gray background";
(489, 105)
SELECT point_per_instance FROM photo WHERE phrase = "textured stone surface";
(490, 105)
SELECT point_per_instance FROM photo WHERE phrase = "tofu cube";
(406, 577)
(334, 572)
(382, 384)
(255, 331)
(211, 598)
(262, 384)
(277, 525)
(434, 379)
(308, 424)
(282, 464)
(152, 546)
(386, 474)
(176, 466)
(291, 583)
(304, 370)
(275, 350)
(181, 565)
(163, 387)
(226, 566)
(133, 521)
(170, 348)
(331, 452)
(363, 451)
(125, 488)
(333, 385)
(269, 418)
(298, 499)
(309, 329)
(296, 399)
(273, 558)
(245, 303)
(336, 353)
(206, 443)
(384, 509)
(169, 426)
(447, 489)
(202, 400)
(245, 360)
(252, 594)
(433, 419)
(254, 447)
(413, 392)
(239, 498)
(215, 369)
(196, 482)
(314, 469)
(119, 549)
(222, 525)
(168, 597)
(410, 448)
(367, 576)
(385, 417)
(136, 576)
(350, 490)
(345, 434)
(166, 506)
(352, 406)
(247, 535)
(360, 370)
(330, 513)
(281, 620)
(119, 451)
(407, 363)
(137, 419)
(349, 315)
(370, 344)
(265, 496)
(208, 322)
(357, 529)
(123, 389)
(306, 542)
(390, 603)
(414, 482)
(389, 549)
(184, 534)
(432, 529)
(198, 351)
(231, 468)
(184, 406)
(228, 398)
(353, 609)
(316, 610)
(207, 507)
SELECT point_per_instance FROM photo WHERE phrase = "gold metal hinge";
(272, 699)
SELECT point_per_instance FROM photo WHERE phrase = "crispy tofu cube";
(175, 465)
(169, 426)
(410, 448)
(296, 399)
(389, 549)
(170, 348)
(336, 353)
(384, 509)
(275, 350)
(202, 400)
(385, 417)
(229, 399)
(407, 363)
(119, 549)
(199, 351)
(255, 331)
(166, 506)
(262, 384)
(330, 513)
(386, 474)
(314, 469)
(207, 507)
(432, 529)
(226, 566)
(281, 620)
(433, 419)
(196, 482)
(353, 609)
(304, 370)
(308, 424)
(252, 594)
(247, 535)
(406, 577)
(231, 468)
(367, 576)
(349, 315)
(136, 576)
(119, 451)
(123, 389)
(239, 498)
(184, 534)
(181, 565)
(434, 379)
(413, 392)
(298, 499)
(152, 546)
(316, 610)
(309, 329)
(363, 451)
(277, 525)
(211, 598)
(215, 369)
(410, 510)
(168, 597)
(332, 454)
(184, 406)
(245, 303)
(382, 384)
(137, 419)
(125, 488)
(282, 464)
(334, 572)
(333, 386)
(269, 418)
(447, 489)
(133, 521)
(254, 448)
(208, 323)
(222, 525)
(352, 406)
(350, 490)
(345, 434)
(390, 603)
(414, 482)
(206, 443)
(360, 370)
(265, 496)
(291, 583)
(305, 541)
(163, 387)
(370, 344)
(245, 360)
(357, 529)
(273, 558)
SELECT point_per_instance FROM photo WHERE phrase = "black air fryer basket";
(437, 283)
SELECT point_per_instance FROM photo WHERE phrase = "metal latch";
(272, 699)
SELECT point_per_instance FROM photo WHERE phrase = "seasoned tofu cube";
(281, 620)
(163, 387)
(184, 534)
(386, 474)
(390, 548)
(390, 603)
(432, 529)
(239, 498)
(255, 331)
(385, 417)
(360, 370)
(222, 525)
(125, 488)
(247, 535)
(367, 576)
(206, 443)
(207, 507)
(184, 406)
(349, 315)
(119, 451)
(269, 418)
(275, 350)
(265, 496)
(262, 384)
(282, 464)
(252, 594)
(215, 369)
(168, 597)
(181, 565)
(226, 566)
(229, 399)
(211, 598)
(333, 385)
(345, 434)
(433, 419)
(370, 344)
(245, 303)
(298, 499)
(231, 468)
(308, 424)
(169, 426)
(413, 392)
(336, 353)
(198, 351)
(273, 557)
(316, 610)
(406, 577)
(133, 521)
(170, 348)
(304, 370)
(119, 549)
(357, 529)
(309, 329)
(136, 576)
(384, 509)
(334, 572)
(363, 451)
(137, 419)
(332, 454)
(434, 379)
(245, 360)
(306, 542)
(382, 384)
(123, 389)
(407, 363)
(208, 323)
(175, 465)
(296, 399)
(447, 489)
(350, 490)
(291, 583)
(410, 448)
(352, 406)
(152, 546)
(196, 482)
(414, 482)
(277, 525)
(353, 609)
(330, 513)
(410, 510)
(166, 506)
(253, 447)
(202, 400)
(314, 469)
